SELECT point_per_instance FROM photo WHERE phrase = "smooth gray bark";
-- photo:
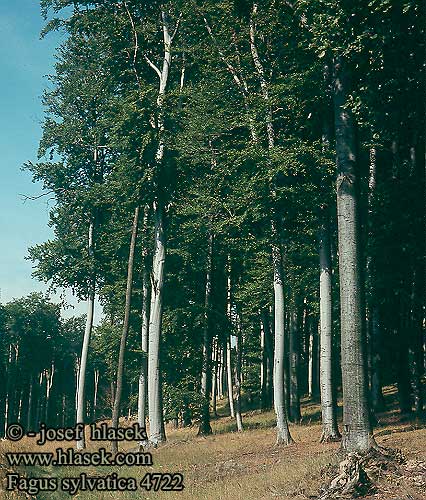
(330, 431)
(228, 345)
(238, 352)
(81, 444)
(313, 333)
(95, 395)
(283, 432)
(125, 331)
(156, 424)
(155, 411)
(357, 434)
(220, 374)
(229, 378)
(206, 373)
(263, 369)
(215, 354)
(143, 376)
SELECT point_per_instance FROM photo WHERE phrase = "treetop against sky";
(25, 60)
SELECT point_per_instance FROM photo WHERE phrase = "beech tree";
(234, 137)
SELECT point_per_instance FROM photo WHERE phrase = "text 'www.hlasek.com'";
(69, 457)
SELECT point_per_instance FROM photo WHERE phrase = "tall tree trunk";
(374, 325)
(294, 410)
(313, 358)
(95, 394)
(215, 354)
(230, 382)
(220, 374)
(49, 382)
(125, 331)
(155, 410)
(30, 405)
(418, 293)
(357, 435)
(330, 431)
(81, 403)
(206, 373)
(228, 344)
(238, 352)
(143, 376)
(283, 432)
(156, 424)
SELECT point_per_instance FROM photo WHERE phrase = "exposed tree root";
(330, 437)
(358, 472)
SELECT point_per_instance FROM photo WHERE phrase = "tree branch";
(153, 66)
(177, 26)
(136, 42)
(228, 65)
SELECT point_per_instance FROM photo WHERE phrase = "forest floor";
(248, 465)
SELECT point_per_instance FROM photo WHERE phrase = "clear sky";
(24, 62)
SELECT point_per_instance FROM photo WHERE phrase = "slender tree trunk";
(311, 357)
(95, 395)
(230, 383)
(30, 405)
(21, 395)
(330, 430)
(229, 346)
(283, 432)
(156, 424)
(81, 444)
(143, 376)
(49, 383)
(374, 326)
(64, 413)
(313, 368)
(220, 374)
(112, 390)
(125, 331)
(156, 434)
(214, 376)
(418, 294)
(205, 427)
(294, 413)
(238, 351)
(357, 436)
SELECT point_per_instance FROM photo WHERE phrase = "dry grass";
(247, 465)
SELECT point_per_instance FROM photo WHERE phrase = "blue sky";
(24, 62)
